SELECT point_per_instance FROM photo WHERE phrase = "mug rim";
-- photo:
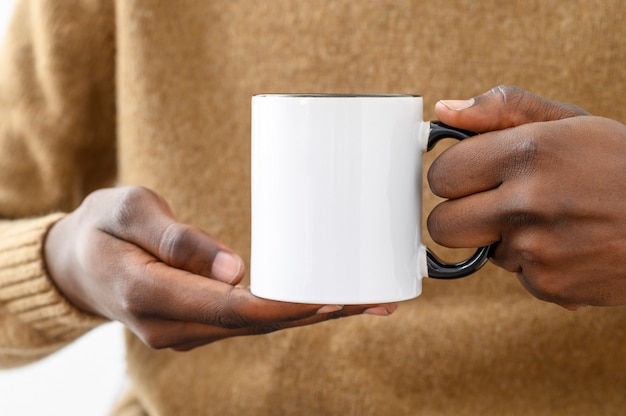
(334, 95)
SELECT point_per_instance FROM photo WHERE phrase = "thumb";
(142, 217)
(500, 108)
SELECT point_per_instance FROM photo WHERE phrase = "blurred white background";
(85, 378)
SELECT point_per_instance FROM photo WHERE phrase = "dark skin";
(546, 183)
(542, 182)
(122, 255)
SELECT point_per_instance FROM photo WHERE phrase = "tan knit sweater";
(157, 93)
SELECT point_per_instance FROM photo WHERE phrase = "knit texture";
(38, 320)
(157, 93)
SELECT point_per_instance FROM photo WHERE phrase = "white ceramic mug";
(336, 199)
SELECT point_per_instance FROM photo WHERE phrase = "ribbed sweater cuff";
(25, 288)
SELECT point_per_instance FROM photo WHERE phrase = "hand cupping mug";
(336, 199)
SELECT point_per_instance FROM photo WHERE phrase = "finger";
(500, 108)
(184, 336)
(163, 292)
(483, 162)
(189, 248)
(473, 221)
(144, 219)
(159, 290)
(496, 215)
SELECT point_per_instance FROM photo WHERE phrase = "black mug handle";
(438, 268)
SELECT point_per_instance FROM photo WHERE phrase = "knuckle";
(523, 252)
(135, 293)
(153, 334)
(174, 241)
(130, 303)
(514, 102)
(527, 247)
(509, 94)
(223, 313)
(128, 206)
(524, 153)
(522, 205)
(529, 253)
(229, 319)
(521, 106)
(519, 217)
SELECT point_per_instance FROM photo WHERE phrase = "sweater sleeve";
(57, 135)
(35, 319)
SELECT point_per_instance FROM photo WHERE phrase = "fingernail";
(378, 311)
(329, 308)
(226, 266)
(458, 105)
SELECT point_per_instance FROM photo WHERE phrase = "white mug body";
(336, 198)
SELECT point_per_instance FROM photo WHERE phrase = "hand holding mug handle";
(438, 268)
